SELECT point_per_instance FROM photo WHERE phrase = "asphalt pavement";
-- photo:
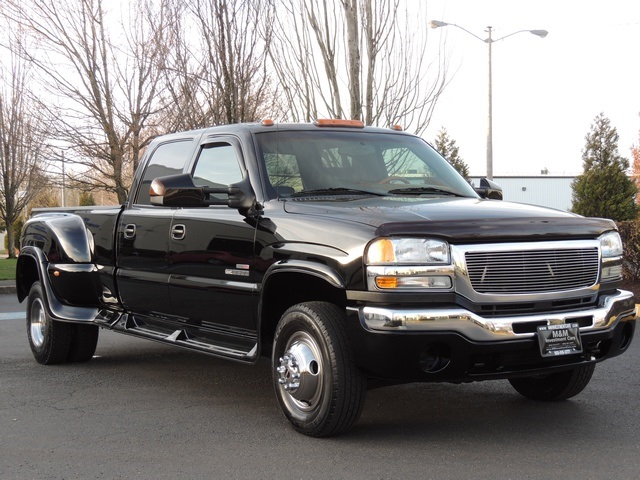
(143, 410)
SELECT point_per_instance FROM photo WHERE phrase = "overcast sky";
(546, 91)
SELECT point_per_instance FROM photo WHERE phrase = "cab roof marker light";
(330, 122)
(397, 128)
(267, 122)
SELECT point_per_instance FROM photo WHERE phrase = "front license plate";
(556, 340)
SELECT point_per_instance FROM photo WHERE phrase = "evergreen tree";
(449, 150)
(86, 199)
(604, 189)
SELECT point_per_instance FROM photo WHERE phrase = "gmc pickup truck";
(353, 257)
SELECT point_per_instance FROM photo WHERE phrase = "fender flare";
(55, 308)
(63, 237)
(318, 270)
(67, 239)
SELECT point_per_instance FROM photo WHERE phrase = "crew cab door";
(212, 284)
(143, 236)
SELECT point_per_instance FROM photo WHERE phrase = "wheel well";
(26, 275)
(286, 289)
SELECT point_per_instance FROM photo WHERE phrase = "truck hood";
(456, 219)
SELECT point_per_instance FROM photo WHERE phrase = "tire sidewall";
(56, 335)
(35, 296)
(556, 386)
(295, 320)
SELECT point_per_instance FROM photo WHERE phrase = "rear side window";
(166, 159)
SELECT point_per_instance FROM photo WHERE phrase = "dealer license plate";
(556, 340)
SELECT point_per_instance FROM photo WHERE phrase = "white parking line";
(13, 316)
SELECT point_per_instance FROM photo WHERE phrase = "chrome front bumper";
(611, 310)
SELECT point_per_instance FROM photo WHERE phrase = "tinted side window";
(217, 166)
(167, 159)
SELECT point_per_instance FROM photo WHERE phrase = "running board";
(226, 346)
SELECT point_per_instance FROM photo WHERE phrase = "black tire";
(84, 339)
(327, 396)
(554, 387)
(49, 339)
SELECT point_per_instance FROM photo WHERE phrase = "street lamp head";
(437, 23)
(540, 33)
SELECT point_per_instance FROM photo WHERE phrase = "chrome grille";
(532, 271)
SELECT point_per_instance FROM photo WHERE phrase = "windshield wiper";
(425, 190)
(337, 191)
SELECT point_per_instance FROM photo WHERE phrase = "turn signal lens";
(413, 282)
(387, 282)
(381, 251)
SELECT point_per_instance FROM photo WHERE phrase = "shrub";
(630, 233)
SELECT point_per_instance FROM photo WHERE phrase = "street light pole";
(489, 41)
(490, 115)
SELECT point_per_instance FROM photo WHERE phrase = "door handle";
(178, 232)
(130, 231)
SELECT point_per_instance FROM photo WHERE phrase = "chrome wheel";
(300, 372)
(316, 381)
(49, 339)
(38, 323)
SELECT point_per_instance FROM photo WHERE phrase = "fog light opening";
(435, 358)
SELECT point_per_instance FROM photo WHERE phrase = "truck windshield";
(312, 163)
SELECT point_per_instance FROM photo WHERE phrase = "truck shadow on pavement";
(403, 412)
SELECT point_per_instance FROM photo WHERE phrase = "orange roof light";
(397, 127)
(267, 122)
(339, 123)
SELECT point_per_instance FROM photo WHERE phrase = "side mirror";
(489, 189)
(180, 191)
(176, 191)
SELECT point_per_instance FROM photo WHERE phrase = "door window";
(217, 166)
(166, 159)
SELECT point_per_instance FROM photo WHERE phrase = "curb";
(7, 288)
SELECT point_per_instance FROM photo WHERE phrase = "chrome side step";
(238, 347)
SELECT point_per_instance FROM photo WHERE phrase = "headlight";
(407, 251)
(611, 245)
(409, 264)
(611, 251)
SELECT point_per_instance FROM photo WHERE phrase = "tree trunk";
(11, 242)
(353, 49)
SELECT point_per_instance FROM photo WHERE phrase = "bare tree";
(22, 152)
(379, 47)
(182, 71)
(107, 92)
(218, 75)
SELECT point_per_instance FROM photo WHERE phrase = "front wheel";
(318, 386)
(554, 387)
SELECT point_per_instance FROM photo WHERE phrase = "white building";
(546, 190)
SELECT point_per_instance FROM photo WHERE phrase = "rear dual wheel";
(52, 341)
(318, 386)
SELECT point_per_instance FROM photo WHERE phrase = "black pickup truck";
(352, 256)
